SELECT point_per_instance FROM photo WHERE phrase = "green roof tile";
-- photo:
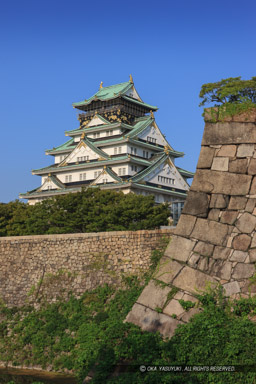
(112, 92)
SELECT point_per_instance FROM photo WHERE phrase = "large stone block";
(210, 231)
(227, 151)
(205, 157)
(204, 249)
(237, 202)
(252, 167)
(229, 133)
(222, 253)
(179, 248)
(253, 244)
(252, 255)
(219, 201)
(209, 181)
(197, 203)
(241, 242)
(152, 321)
(153, 295)
(250, 205)
(185, 225)
(238, 256)
(238, 166)
(167, 270)
(231, 288)
(214, 214)
(220, 164)
(243, 271)
(245, 150)
(228, 217)
(246, 223)
(253, 187)
(173, 308)
(225, 271)
(192, 280)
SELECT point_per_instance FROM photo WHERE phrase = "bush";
(87, 211)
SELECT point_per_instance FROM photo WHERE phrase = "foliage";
(186, 304)
(231, 95)
(89, 334)
(92, 210)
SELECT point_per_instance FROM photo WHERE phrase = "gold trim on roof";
(131, 79)
(101, 84)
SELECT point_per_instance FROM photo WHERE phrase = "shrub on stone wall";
(87, 211)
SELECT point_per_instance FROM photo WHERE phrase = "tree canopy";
(230, 90)
(87, 211)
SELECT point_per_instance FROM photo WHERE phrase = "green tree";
(92, 210)
(6, 214)
(16, 223)
(230, 90)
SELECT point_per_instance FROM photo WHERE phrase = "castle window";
(119, 149)
(124, 171)
(151, 139)
(119, 171)
(166, 180)
(82, 176)
(82, 158)
(133, 150)
(115, 150)
(70, 178)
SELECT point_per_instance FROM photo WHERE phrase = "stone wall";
(215, 239)
(47, 266)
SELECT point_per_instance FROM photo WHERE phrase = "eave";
(185, 173)
(91, 164)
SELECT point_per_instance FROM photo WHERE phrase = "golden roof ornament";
(49, 174)
(83, 136)
(131, 79)
(152, 114)
(101, 84)
(166, 149)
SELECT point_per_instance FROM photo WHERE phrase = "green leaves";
(230, 90)
(87, 211)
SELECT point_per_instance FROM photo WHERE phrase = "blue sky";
(53, 53)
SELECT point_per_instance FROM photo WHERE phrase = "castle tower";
(118, 146)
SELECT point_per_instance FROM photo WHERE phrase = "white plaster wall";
(140, 151)
(59, 158)
(81, 151)
(49, 185)
(132, 93)
(95, 121)
(111, 150)
(76, 177)
(124, 167)
(169, 172)
(155, 133)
